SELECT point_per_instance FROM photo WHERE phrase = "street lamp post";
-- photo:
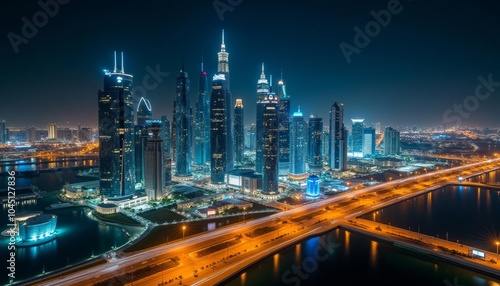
(183, 229)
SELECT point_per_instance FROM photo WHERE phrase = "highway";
(294, 225)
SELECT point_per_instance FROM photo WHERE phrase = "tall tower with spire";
(284, 127)
(262, 93)
(183, 125)
(223, 68)
(116, 134)
(202, 120)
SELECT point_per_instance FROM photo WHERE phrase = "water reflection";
(373, 254)
(276, 265)
(347, 241)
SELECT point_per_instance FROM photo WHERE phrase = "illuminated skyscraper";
(223, 68)
(182, 126)
(250, 137)
(314, 143)
(144, 111)
(357, 137)
(262, 93)
(154, 176)
(167, 158)
(338, 138)
(239, 131)
(377, 128)
(116, 134)
(144, 114)
(298, 146)
(3, 135)
(52, 131)
(218, 129)
(368, 141)
(283, 128)
(270, 144)
(202, 121)
(392, 144)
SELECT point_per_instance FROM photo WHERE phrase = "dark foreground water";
(354, 260)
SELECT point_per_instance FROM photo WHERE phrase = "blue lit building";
(338, 138)
(202, 121)
(167, 158)
(182, 126)
(315, 158)
(298, 147)
(116, 134)
(218, 130)
(357, 137)
(284, 128)
(239, 131)
(37, 229)
(312, 186)
(270, 145)
(369, 141)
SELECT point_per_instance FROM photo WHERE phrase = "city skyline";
(437, 63)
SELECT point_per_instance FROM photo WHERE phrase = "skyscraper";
(250, 137)
(167, 158)
(357, 137)
(218, 129)
(262, 93)
(283, 128)
(270, 145)
(298, 146)
(144, 114)
(315, 158)
(239, 131)
(377, 128)
(338, 138)
(144, 111)
(369, 141)
(52, 131)
(3, 137)
(392, 143)
(325, 146)
(202, 121)
(154, 177)
(182, 126)
(223, 68)
(116, 134)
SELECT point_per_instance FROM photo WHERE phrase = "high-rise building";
(144, 114)
(250, 137)
(357, 137)
(283, 128)
(86, 134)
(182, 126)
(312, 186)
(218, 130)
(144, 111)
(315, 158)
(270, 145)
(167, 158)
(377, 128)
(368, 141)
(223, 68)
(154, 176)
(116, 134)
(298, 147)
(3, 135)
(239, 131)
(262, 93)
(202, 121)
(392, 144)
(52, 131)
(173, 135)
(338, 138)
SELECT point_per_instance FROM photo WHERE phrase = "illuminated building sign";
(219, 77)
(478, 253)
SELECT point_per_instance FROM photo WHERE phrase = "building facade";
(202, 121)
(218, 129)
(315, 132)
(262, 94)
(283, 128)
(392, 145)
(116, 134)
(270, 145)
(239, 131)
(338, 138)
(154, 176)
(183, 126)
(298, 147)
(357, 137)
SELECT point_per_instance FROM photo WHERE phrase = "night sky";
(427, 58)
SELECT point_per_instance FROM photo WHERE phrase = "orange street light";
(497, 243)
(183, 229)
